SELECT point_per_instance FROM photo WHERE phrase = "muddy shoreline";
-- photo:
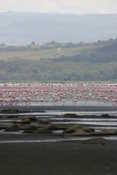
(71, 158)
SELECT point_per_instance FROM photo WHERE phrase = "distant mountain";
(21, 28)
(110, 47)
(99, 52)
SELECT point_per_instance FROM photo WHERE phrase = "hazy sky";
(63, 6)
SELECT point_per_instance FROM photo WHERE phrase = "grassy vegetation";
(31, 71)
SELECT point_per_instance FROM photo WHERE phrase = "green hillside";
(59, 62)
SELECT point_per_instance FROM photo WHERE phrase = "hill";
(59, 62)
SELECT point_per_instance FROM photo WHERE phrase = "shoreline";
(15, 139)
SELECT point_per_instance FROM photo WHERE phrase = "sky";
(60, 6)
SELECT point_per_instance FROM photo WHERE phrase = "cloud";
(28, 5)
(64, 6)
(88, 6)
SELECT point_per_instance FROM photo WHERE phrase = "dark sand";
(70, 158)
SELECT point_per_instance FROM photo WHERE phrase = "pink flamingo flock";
(56, 93)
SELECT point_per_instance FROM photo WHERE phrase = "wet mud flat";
(66, 158)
